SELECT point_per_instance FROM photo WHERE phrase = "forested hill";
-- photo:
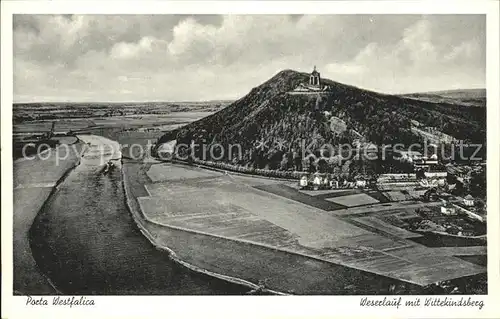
(269, 116)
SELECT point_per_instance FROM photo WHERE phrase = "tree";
(478, 184)
(322, 165)
(420, 174)
(284, 163)
(297, 161)
(337, 171)
(346, 170)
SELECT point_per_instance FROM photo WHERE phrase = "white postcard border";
(251, 306)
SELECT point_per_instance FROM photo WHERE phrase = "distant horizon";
(235, 99)
(121, 102)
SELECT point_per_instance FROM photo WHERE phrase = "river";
(86, 242)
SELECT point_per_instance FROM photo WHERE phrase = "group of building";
(418, 160)
(466, 206)
(427, 171)
(319, 181)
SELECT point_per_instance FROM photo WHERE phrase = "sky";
(81, 58)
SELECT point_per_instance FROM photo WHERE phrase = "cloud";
(125, 50)
(173, 57)
(416, 58)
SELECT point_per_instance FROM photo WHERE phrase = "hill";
(466, 97)
(270, 125)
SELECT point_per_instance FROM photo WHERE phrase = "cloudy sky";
(206, 57)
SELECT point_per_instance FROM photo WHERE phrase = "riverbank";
(86, 241)
(277, 269)
(89, 242)
(142, 224)
(35, 181)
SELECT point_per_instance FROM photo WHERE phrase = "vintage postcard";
(341, 155)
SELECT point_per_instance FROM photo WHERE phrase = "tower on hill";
(314, 86)
(315, 78)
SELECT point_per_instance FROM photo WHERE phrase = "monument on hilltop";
(313, 86)
(315, 78)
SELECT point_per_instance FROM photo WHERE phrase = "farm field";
(293, 194)
(396, 196)
(45, 125)
(386, 227)
(48, 170)
(141, 129)
(328, 193)
(290, 273)
(297, 241)
(273, 216)
(160, 122)
(23, 112)
(354, 200)
(174, 173)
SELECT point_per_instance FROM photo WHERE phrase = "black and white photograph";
(168, 154)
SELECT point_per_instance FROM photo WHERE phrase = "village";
(405, 176)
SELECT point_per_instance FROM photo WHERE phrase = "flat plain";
(230, 208)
